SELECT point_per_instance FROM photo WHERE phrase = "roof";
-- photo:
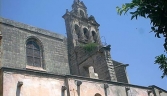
(31, 28)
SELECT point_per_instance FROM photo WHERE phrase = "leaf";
(120, 12)
(136, 16)
(132, 17)
(118, 9)
(126, 11)
(153, 28)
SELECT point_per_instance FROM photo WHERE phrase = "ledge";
(153, 86)
(31, 29)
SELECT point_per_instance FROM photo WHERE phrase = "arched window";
(94, 36)
(86, 34)
(34, 53)
(97, 94)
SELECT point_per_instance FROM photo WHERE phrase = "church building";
(37, 62)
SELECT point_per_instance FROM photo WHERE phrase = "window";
(34, 53)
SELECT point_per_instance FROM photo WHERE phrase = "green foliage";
(156, 11)
(162, 61)
(90, 46)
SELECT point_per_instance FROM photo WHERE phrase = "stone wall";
(14, 36)
(0, 49)
(29, 83)
(120, 70)
(86, 88)
(98, 62)
(99, 59)
(158, 91)
(32, 85)
(85, 59)
(90, 88)
(1, 83)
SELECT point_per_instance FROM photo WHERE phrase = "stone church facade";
(37, 62)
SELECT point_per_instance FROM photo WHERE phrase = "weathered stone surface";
(137, 92)
(32, 85)
(45, 84)
(30, 28)
(116, 90)
(1, 83)
(0, 49)
(86, 89)
(158, 91)
(14, 36)
(120, 70)
(96, 60)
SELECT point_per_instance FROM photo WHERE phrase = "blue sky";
(130, 40)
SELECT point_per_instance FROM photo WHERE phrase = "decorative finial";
(77, 1)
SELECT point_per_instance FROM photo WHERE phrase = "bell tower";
(82, 30)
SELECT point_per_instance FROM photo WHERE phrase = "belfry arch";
(77, 30)
(86, 33)
(94, 35)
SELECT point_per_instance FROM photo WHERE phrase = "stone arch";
(86, 33)
(36, 39)
(82, 13)
(77, 30)
(34, 52)
(97, 94)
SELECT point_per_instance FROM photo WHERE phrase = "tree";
(156, 11)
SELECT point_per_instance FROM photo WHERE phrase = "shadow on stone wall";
(63, 90)
(19, 84)
(18, 91)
